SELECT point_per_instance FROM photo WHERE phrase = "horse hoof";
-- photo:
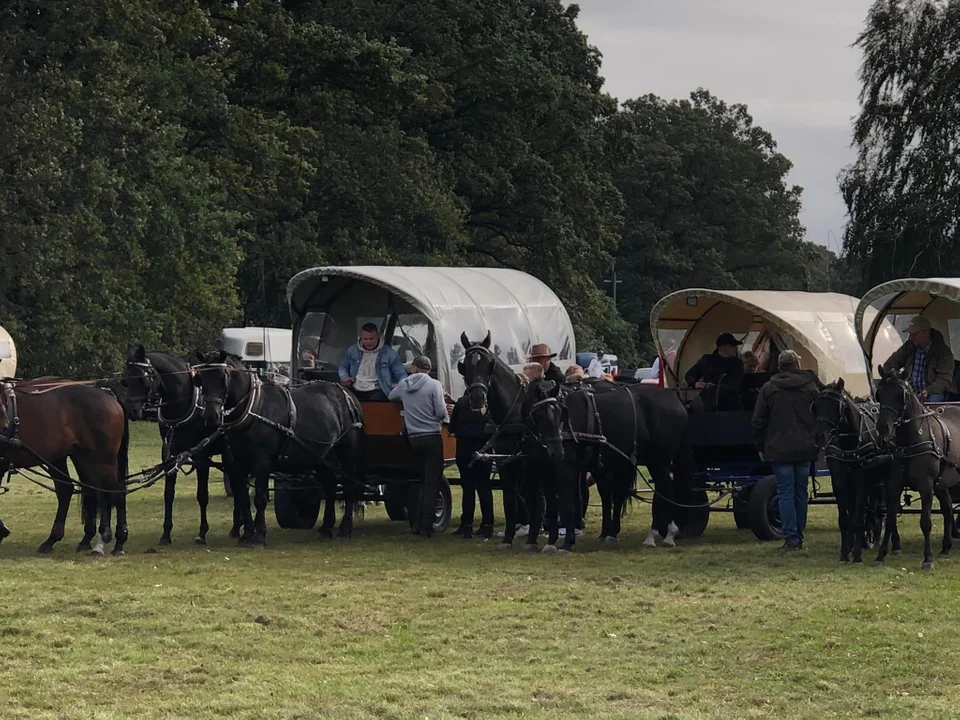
(878, 563)
(84, 547)
(343, 538)
(165, 540)
(325, 534)
(944, 556)
(118, 553)
(45, 549)
(650, 543)
(505, 546)
(200, 540)
(549, 549)
(235, 534)
(106, 535)
(564, 551)
(4, 531)
(96, 552)
(896, 552)
(531, 547)
(844, 559)
(858, 561)
(927, 566)
(669, 543)
(610, 540)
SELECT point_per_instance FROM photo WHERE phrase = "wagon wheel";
(763, 508)
(296, 504)
(741, 511)
(697, 518)
(395, 500)
(443, 505)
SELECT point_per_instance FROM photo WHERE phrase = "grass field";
(394, 626)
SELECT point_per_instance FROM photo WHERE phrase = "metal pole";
(614, 281)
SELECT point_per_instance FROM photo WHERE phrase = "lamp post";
(613, 281)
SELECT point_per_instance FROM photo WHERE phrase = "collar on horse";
(155, 383)
(867, 439)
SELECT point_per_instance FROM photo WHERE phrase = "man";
(927, 359)
(595, 368)
(784, 432)
(540, 353)
(370, 368)
(424, 411)
(719, 375)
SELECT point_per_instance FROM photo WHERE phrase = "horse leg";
(354, 472)
(241, 502)
(169, 493)
(328, 481)
(946, 509)
(663, 524)
(64, 490)
(568, 487)
(535, 488)
(926, 521)
(859, 510)
(508, 479)
(203, 499)
(606, 502)
(237, 514)
(261, 496)
(119, 498)
(88, 514)
(554, 509)
(4, 531)
(890, 530)
(842, 489)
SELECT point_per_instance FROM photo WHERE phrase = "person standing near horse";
(371, 368)
(927, 359)
(785, 432)
(424, 412)
(540, 353)
(470, 428)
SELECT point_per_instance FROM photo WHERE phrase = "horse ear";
(222, 357)
(883, 372)
(487, 340)
(460, 366)
(198, 356)
(465, 340)
(840, 385)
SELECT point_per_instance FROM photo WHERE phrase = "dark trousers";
(370, 395)
(428, 457)
(475, 483)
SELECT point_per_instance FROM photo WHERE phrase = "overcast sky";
(790, 62)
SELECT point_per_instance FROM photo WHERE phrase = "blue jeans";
(792, 495)
(936, 398)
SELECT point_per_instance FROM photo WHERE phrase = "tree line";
(167, 166)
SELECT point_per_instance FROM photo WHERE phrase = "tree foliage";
(903, 191)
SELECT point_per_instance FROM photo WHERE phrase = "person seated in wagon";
(718, 376)
(927, 360)
(371, 368)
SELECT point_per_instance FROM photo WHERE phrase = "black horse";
(922, 440)
(272, 428)
(180, 420)
(635, 424)
(859, 468)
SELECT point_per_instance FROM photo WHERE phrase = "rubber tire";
(444, 511)
(697, 519)
(395, 501)
(295, 508)
(741, 510)
(761, 507)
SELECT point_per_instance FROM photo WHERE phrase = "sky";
(792, 63)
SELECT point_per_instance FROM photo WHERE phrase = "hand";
(763, 458)
(700, 385)
(449, 407)
(448, 398)
(924, 395)
(347, 382)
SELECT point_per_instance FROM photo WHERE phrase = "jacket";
(465, 422)
(424, 410)
(725, 373)
(939, 364)
(783, 423)
(554, 373)
(389, 367)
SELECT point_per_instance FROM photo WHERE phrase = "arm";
(396, 393)
(943, 382)
(898, 359)
(761, 415)
(344, 368)
(439, 405)
(397, 373)
(694, 374)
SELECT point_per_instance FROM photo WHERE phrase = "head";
(893, 395)
(828, 412)
(369, 336)
(421, 364)
(216, 374)
(540, 354)
(750, 362)
(543, 415)
(574, 374)
(728, 345)
(308, 358)
(533, 371)
(477, 369)
(788, 360)
(919, 331)
(140, 380)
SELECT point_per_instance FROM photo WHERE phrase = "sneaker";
(467, 532)
(522, 531)
(791, 548)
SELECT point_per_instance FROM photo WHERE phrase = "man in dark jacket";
(540, 353)
(784, 432)
(719, 375)
(927, 359)
(470, 428)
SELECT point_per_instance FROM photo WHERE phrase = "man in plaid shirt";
(927, 359)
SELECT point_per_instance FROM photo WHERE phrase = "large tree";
(903, 191)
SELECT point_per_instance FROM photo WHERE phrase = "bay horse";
(180, 422)
(859, 467)
(47, 421)
(271, 427)
(923, 443)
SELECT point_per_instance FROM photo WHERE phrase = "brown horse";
(52, 420)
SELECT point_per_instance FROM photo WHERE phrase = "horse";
(271, 427)
(46, 422)
(848, 432)
(922, 441)
(608, 429)
(180, 422)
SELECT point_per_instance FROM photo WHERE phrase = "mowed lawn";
(393, 626)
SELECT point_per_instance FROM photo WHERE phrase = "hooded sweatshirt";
(783, 423)
(366, 379)
(423, 407)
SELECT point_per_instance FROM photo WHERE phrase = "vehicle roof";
(276, 343)
(821, 325)
(518, 309)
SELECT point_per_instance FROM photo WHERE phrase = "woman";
(751, 364)
(469, 427)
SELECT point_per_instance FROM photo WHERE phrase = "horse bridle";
(249, 400)
(149, 376)
(835, 427)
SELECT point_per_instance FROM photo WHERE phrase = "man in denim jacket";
(371, 368)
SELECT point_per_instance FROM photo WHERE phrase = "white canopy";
(258, 344)
(819, 326)
(887, 309)
(8, 355)
(517, 308)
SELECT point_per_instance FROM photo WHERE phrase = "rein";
(924, 447)
(866, 436)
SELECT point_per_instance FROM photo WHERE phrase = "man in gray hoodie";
(424, 411)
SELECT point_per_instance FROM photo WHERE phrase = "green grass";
(393, 626)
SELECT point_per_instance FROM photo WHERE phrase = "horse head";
(223, 380)
(895, 399)
(829, 412)
(542, 413)
(140, 380)
(477, 368)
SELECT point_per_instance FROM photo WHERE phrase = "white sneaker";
(562, 532)
(522, 531)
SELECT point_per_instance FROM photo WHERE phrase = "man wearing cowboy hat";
(927, 359)
(540, 353)
(719, 375)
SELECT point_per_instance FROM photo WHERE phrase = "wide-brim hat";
(540, 350)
